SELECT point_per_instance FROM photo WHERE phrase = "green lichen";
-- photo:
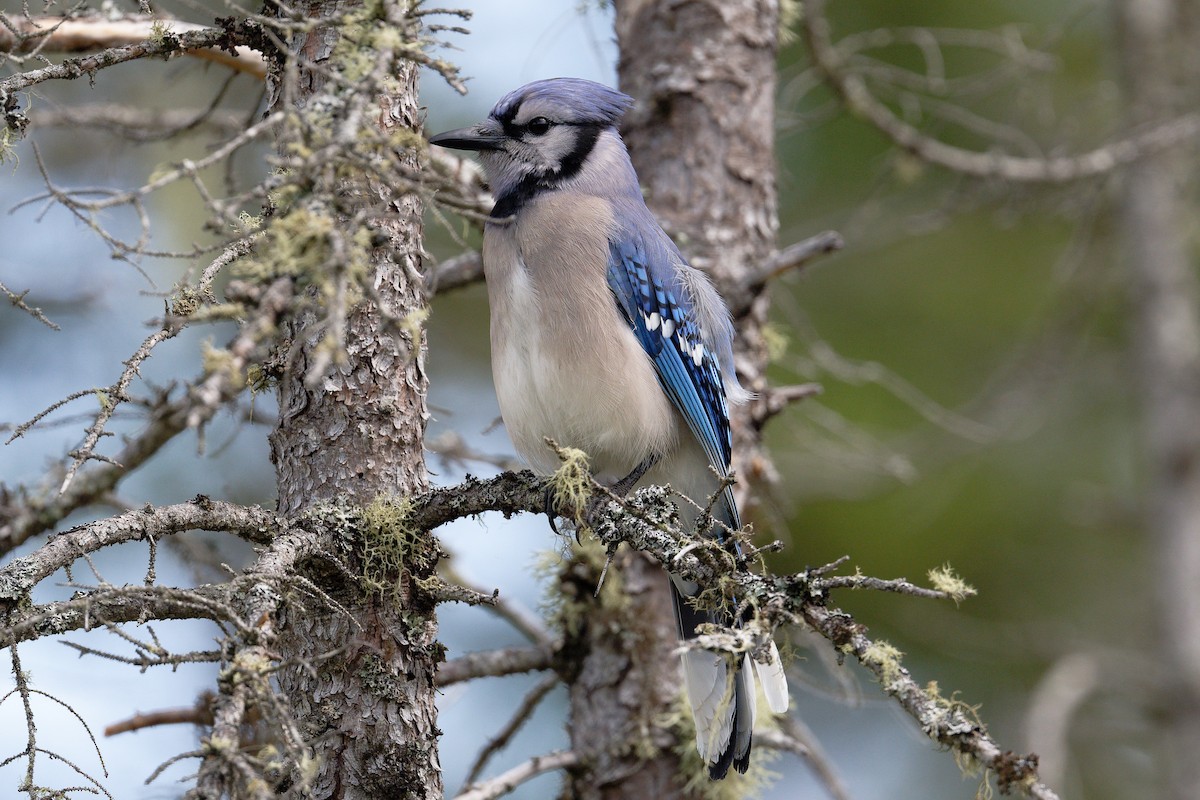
(374, 677)
(362, 35)
(572, 483)
(7, 150)
(248, 223)
(579, 588)
(158, 32)
(185, 302)
(219, 361)
(391, 545)
(790, 12)
(944, 579)
(885, 658)
(776, 341)
(296, 243)
(258, 379)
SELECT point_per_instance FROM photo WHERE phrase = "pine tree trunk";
(1161, 71)
(353, 435)
(702, 139)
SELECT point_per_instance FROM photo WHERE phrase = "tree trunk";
(350, 436)
(1160, 76)
(702, 139)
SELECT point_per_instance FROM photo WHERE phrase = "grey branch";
(795, 256)
(167, 418)
(648, 522)
(806, 749)
(18, 300)
(508, 781)
(19, 577)
(485, 663)
(859, 101)
(122, 37)
(498, 742)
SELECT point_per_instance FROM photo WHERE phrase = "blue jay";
(605, 339)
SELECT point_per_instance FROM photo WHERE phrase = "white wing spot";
(652, 321)
(668, 328)
(698, 354)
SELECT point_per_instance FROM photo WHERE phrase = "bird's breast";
(565, 363)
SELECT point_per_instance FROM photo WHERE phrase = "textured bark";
(702, 139)
(354, 436)
(627, 680)
(1158, 44)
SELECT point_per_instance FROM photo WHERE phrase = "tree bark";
(351, 436)
(701, 136)
(1160, 77)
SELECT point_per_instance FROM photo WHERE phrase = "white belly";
(595, 391)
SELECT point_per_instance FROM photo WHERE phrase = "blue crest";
(572, 100)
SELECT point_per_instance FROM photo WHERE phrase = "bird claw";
(549, 510)
(623, 486)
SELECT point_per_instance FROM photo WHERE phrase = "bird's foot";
(623, 486)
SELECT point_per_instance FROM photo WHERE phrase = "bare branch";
(113, 604)
(18, 300)
(167, 419)
(794, 737)
(498, 742)
(121, 37)
(948, 722)
(793, 257)
(506, 782)
(21, 575)
(493, 663)
(859, 101)
(138, 124)
(515, 614)
(198, 714)
(455, 273)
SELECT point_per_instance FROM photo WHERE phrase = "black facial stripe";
(512, 201)
(588, 134)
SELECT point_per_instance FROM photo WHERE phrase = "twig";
(794, 256)
(528, 705)
(860, 102)
(485, 663)
(149, 35)
(512, 612)
(18, 300)
(795, 737)
(506, 782)
(199, 714)
(455, 273)
(18, 577)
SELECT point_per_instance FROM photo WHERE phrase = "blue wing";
(660, 313)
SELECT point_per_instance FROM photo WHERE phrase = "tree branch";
(87, 33)
(492, 663)
(859, 101)
(755, 276)
(528, 705)
(506, 782)
(648, 521)
(19, 577)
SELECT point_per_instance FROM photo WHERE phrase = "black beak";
(484, 136)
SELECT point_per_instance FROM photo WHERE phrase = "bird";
(605, 339)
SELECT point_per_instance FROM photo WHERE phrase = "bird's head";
(540, 136)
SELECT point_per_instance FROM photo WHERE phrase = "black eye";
(538, 125)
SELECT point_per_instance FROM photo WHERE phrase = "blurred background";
(972, 340)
